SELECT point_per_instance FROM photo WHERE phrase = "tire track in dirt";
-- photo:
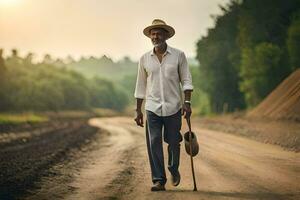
(227, 167)
(111, 164)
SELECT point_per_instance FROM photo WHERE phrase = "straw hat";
(158, 23)
(193, 142)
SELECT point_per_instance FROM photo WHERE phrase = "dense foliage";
(44, 86)
(253, 46)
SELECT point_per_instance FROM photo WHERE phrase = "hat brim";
(169, 29)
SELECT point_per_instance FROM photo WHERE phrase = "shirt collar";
(167, 51)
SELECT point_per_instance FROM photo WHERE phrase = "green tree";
(253, 46)
(259, 72)
(104, 94)
(47, 86)
(293, 42)
(200, 99)
(3, 99)
(218, 55)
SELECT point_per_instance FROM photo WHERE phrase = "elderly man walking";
(163, 74)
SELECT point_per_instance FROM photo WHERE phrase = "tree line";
(28, 86)
(253, 46)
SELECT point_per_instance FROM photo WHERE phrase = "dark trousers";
(170, 127)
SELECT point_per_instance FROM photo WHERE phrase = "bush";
(259, 72)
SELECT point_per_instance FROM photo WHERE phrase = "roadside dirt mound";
(283, 102)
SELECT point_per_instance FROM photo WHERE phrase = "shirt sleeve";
(141, 81)
(185, 75)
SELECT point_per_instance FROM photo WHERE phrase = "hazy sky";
(97, 27)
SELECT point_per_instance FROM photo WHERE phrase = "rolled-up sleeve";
(141, 81)
(185, 75)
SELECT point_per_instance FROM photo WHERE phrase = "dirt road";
(228, 167)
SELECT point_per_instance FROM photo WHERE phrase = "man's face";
(158, 36)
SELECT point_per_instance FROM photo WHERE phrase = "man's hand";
(186, 110)
(139, 118)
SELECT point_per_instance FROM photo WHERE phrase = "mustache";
(157, 40)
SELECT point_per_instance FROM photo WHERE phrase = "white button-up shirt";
(161, 84)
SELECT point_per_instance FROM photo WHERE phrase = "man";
(160, 73)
